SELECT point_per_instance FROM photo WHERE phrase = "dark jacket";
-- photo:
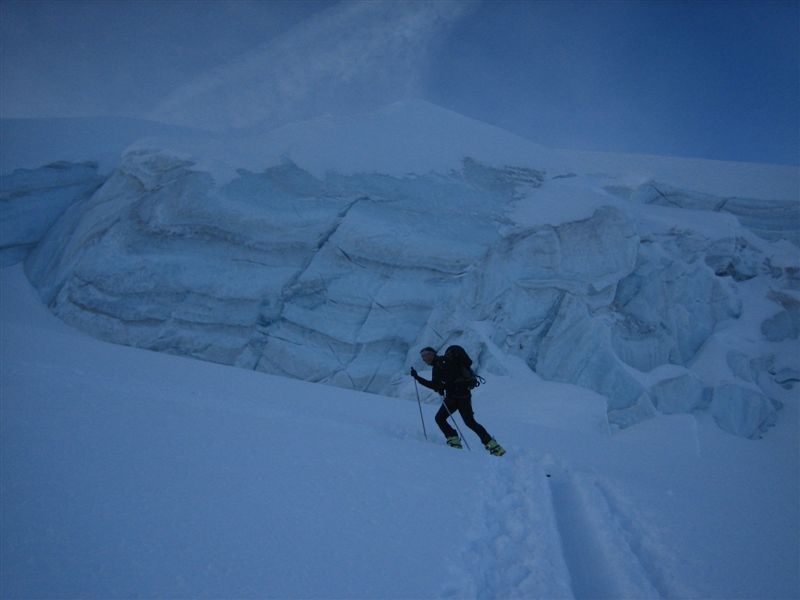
(453, 379)
(447, 377)
(436, 383)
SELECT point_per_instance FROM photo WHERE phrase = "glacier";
(332, 250)
(32, 200)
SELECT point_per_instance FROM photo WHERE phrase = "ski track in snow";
(569, 535)
(513, 551)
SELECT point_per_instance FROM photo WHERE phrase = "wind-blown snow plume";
(352, 57)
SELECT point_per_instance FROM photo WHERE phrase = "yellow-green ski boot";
(494, 448)
(454, 442)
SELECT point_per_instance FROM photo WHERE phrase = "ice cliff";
(333, 250)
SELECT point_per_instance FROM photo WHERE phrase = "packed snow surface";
(129, 473)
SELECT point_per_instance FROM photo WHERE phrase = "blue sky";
(705, 79)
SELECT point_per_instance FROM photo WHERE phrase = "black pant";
(464, 407)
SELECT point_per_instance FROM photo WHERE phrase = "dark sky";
(704, 79)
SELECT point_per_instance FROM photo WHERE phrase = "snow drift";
(332, 250)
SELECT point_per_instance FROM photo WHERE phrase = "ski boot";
(494, 448)
(454, 442)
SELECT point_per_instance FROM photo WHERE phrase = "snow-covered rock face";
(340, 277)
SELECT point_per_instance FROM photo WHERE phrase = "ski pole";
(416, 389)
(444, 403)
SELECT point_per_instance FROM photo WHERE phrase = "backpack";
(468, 377)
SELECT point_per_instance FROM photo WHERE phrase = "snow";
(636, 319)
(329, 250)
(406, 137)
(35, 199)
(128, 473)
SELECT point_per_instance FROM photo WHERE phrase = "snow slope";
(125, 472)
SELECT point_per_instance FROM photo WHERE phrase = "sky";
(706, 79)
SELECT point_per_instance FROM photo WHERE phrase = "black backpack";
(468, 377)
